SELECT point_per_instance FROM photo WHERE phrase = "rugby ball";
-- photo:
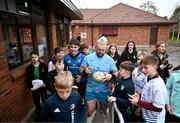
(99, 76)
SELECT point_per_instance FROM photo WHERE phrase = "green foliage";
(149, 6)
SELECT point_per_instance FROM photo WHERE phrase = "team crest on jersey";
(122, 87)
(72, 106)
(68, 61)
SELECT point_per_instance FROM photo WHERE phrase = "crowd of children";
(142, 86)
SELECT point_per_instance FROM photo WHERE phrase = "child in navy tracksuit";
(124, 87)
(65, 105)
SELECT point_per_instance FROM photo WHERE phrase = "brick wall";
(52, 31)
(163, 33)
(15, 98)
(139, 34)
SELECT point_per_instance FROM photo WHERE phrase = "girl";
(163, 63)
(113, 53)
(129, 53)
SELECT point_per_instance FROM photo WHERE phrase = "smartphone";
(129, 95)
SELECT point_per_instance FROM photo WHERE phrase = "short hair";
(54, 60)
(83, 46)
(64, 80)
(34, 53)
(74, 42)
(150, 60)
(141, 54)
(57, 50)
(102, 41)
(127, 65)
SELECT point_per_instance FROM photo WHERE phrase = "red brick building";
(27, 25)
(120, 24)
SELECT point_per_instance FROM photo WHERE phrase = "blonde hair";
(64, 80)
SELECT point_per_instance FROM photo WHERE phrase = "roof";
(64, 7)
(120, 14)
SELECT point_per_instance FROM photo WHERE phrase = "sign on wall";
(83, 35)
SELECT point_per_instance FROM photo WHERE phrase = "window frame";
(18, 36)
(113, 29)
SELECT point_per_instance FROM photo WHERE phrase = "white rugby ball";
(99, 76)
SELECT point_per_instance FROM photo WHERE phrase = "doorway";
(153, 34)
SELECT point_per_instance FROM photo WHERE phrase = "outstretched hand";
(111, 99)
(134, 98)
(107, 76)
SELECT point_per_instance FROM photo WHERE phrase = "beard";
(100, 54)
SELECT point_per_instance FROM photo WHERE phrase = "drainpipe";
(92, 33)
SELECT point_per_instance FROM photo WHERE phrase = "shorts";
(101, 96)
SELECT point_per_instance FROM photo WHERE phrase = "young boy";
(84, 49)
(72, 63)
(173, 87)
(154, 94)
(65, 105)
(37, 79)
(58, 54)
(59, 68)
(124, 87)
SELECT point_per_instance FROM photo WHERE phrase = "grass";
(174, 41)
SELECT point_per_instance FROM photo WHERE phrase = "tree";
(149, 6)
(176, 27)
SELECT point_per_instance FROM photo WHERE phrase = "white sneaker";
(90, 118)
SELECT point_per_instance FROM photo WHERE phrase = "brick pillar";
(52, 31)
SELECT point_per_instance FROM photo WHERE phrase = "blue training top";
(72, 63)
(103, 64)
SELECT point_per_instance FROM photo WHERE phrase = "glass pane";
(41, 40)
(23, 6)
(3, 4)
(9, 33)
(26, 37)
(12, 6)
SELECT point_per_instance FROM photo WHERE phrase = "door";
(153, 34)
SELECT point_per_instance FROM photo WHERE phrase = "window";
(12, 6)
(9, 32)
(17, 38)
(108, 31)
(3, 4)
(23, 6)
(42, 41)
